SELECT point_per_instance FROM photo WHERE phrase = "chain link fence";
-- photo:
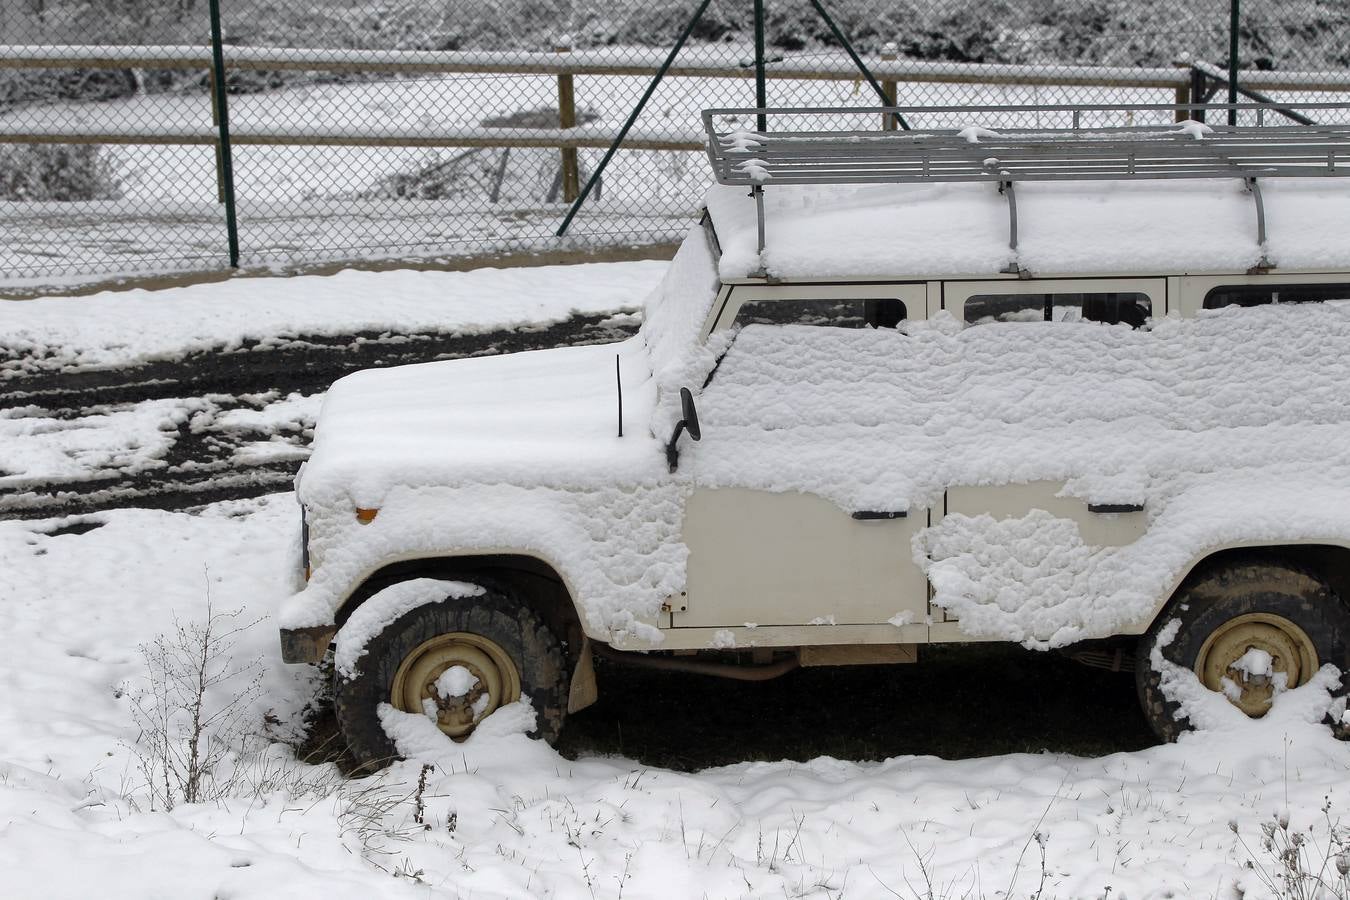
(424, 129)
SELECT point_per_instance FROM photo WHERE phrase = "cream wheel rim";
(1292, 660)
(495, 681)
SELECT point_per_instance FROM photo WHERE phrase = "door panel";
(796, 559)
(1006, 501)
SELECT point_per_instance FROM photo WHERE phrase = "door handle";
(868, 515)
(1115, 507)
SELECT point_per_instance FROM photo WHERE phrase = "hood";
(543, 417)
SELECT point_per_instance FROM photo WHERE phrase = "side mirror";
(688, 423)
(690, 414)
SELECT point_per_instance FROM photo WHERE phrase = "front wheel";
(455, 661)
(1247, 631)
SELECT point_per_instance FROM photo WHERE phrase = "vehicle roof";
(888, 231)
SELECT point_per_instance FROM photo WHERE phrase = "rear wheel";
(455, 661)
(1247, 631)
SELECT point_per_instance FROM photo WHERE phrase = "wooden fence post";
(1183, 92)
(567, 118)
(889, 51)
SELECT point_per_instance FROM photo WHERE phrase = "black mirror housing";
(690, 414)
(688, 422)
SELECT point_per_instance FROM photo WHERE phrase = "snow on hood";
(539, 417)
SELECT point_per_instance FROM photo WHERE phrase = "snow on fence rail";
(499, 184)
(641, 61)
(597, 61)
(339, 135)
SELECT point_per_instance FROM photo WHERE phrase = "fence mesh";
(109, 162)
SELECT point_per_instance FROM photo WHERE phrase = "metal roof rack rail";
(1158, 141)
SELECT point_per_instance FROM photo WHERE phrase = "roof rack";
(1174, 142)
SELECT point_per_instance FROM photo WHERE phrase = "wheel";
(456, 660)
(1244, 628)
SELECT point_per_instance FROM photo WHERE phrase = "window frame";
(912, 293)
(1190, 290)
(1265, 286)
(955, 294)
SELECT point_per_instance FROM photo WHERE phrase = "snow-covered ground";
(504, 817)
(132, 327)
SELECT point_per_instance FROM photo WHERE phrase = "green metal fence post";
(889, 52)
(761, 91)
(1232, 59)
(222, 110)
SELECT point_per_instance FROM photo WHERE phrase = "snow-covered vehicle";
(858, 418)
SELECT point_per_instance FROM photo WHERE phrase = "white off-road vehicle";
(1055, 386)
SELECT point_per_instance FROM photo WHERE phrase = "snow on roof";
(1080, 227)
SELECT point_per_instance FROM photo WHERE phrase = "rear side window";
(883, 313)
(1259, 294)
(1112, 308)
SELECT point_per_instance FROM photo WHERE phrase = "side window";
(1112, 308)
(883, 313)
(1258, 294)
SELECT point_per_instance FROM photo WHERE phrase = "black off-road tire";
(495, 614)
(1224, 593)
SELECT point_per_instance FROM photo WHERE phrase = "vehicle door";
(784, 557)
(1002, 304)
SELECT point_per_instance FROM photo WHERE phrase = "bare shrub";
(194, 714)
(1302, 864)
(43, 172)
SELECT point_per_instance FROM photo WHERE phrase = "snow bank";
(119, 328)
(41, 449)
(1063, 228)
(124, 439)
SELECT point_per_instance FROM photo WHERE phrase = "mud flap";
(583, 691)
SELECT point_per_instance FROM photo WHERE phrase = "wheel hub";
(1253, 657)
(457, 680)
